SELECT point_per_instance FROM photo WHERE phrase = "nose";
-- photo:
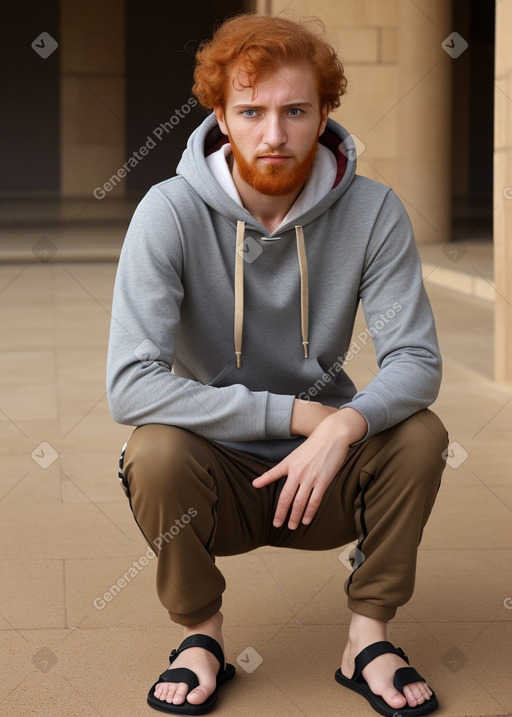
(274, 131)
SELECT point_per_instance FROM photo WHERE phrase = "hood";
(208, 138)
(194, 169)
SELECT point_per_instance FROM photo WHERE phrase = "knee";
(426, 430)
(423, 439)
(157, 458)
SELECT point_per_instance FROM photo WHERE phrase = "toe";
(160, 691)
(165, 691)
(417, 693)
(180, 694)
(393, 698)
(200, 694)
(412, 695)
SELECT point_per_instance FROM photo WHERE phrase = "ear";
(219, 114)
(324, 115)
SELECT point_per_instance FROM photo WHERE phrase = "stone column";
(424, 117)
(503, 195)
(92, 56)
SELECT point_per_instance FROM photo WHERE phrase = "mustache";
(273, 154)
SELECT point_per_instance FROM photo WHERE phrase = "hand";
(310, 468)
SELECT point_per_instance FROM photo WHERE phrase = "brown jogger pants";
(193, 500)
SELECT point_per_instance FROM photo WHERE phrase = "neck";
(266, 209)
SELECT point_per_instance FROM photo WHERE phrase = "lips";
(274, 158)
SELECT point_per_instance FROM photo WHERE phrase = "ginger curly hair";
(257, 45)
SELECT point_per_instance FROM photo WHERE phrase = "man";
(233, 312)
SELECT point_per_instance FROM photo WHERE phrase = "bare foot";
(379, 672)
(200, 661)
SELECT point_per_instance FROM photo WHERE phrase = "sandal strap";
(404, 676)
(180, 674)
(375, 650)
(204, 641)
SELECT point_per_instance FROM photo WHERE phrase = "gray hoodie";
(218, 326)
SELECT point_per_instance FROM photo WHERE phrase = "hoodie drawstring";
(239, 290)
(304, 288)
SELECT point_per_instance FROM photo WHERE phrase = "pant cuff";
(195, 618)
(368, 609)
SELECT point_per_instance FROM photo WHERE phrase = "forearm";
(347, 423)
(152, 394)
(350, 424)
(310, 468)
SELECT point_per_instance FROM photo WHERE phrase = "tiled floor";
(67, 535)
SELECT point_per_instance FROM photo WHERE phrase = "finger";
(270, 476)
(299, 505)
(312, 506)
(283, 505)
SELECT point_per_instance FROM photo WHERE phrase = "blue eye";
(249, 113)
(295, 112)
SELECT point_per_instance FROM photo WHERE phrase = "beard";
(274, 179)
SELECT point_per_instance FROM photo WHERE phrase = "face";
(273, 129)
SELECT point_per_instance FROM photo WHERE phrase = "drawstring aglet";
(238, 359)
(305, 344)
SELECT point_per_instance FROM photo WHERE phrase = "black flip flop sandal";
(403, 676)
(183, 674)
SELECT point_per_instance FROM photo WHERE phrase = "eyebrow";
(248, 105)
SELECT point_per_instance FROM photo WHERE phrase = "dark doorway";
(473, 120)
(161, 42)
(29, 84)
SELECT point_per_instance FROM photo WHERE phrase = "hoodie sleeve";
(141, 387)
(400, 322)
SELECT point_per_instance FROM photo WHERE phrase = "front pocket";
(217, 381)
(325, 382)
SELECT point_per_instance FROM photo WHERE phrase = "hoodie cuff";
(278, 415)
(373, 409)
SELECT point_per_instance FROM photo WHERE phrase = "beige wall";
(365, 34)
(503, 193)
(423, 117)
(398, 105)
(92, 68)
(398, 100)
